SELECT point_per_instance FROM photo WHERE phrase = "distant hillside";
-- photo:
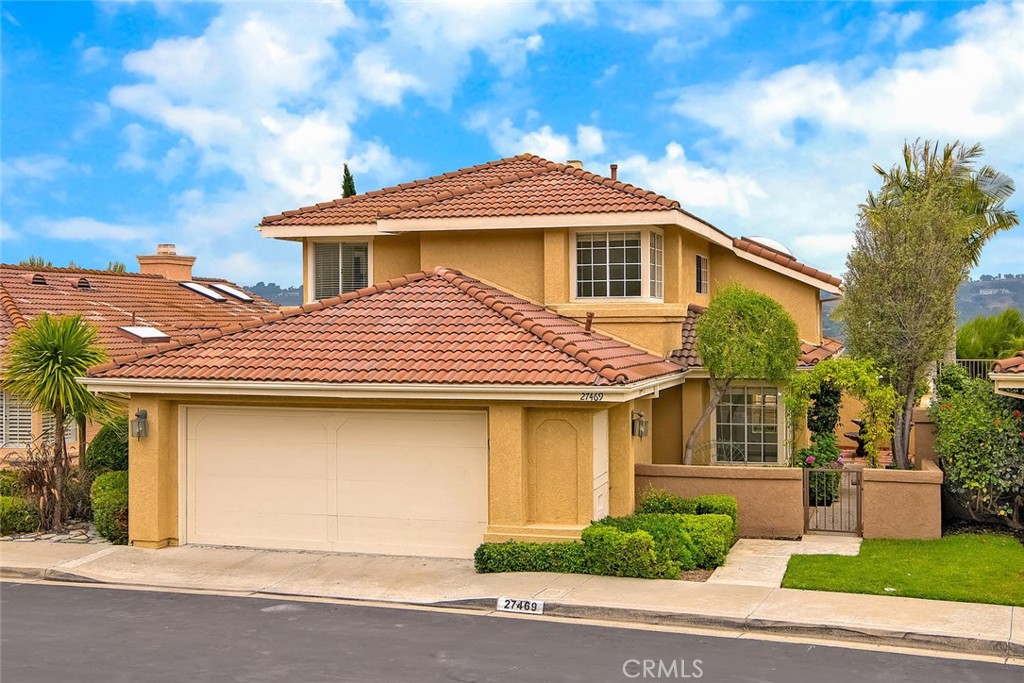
(282, 296)
(988, 295)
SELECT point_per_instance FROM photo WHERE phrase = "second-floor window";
(15, 422)
(340, 267)
(627, 264)
(702, 274)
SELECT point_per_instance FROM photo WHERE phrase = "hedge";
(10, 483)
(109, 497)
(604, 551)
(17, 515)
(659, 501)
(108, 451)
(690, 541)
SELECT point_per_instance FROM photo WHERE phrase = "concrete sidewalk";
(962, 627)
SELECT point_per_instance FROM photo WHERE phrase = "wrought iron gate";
(832, 500)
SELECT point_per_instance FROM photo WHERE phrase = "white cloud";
(7, 234)
(37, 167)
(84, 228)
(507, 139)
(898, 27)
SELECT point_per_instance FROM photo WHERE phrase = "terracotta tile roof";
(520, 185)
(112, 300)
(438, 327)
(1012, 365)
(686, 354)
(758, 249)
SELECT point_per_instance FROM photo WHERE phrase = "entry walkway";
(963, 627)
(757, 562)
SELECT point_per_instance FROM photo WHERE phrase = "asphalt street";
(57, 633)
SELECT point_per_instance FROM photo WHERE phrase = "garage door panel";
(397, 482)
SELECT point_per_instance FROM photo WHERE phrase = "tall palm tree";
(44, 361)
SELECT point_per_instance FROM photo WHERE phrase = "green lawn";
(967, 568)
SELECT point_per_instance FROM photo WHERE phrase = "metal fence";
(832, 500)
(977, 368)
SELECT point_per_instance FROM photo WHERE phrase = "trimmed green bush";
(17, 516)
(108, 451)
(668, 531)
(10, 483)
(655, 501)
(513, 556)
(720, 505)
(712, 536)
(110, 506)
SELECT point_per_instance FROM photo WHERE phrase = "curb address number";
(520, 606)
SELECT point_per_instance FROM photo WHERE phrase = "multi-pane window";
(702, 274)
(619, 264)
(70, 428)
(15, 422)
(747, 425)
(340, 267)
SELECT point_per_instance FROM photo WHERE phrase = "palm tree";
(991, 336)
(44, 361)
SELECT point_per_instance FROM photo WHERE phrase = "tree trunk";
(716, 397)
(59, 461)
(81, 444)
(904, 420)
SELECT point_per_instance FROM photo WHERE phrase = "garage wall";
(559, 466)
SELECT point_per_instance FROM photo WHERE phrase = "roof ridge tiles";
(11, 308)
(600, 179)
(84, 271)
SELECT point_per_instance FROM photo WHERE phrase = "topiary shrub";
(10, 483)
(513, 556)
(712, 536)
(720, 505)
(610, 552)
(668, 531)
(108, 451)
(17, 516)
(110, 506)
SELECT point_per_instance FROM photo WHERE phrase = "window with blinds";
(340, 267)
(70, 428)
(15, 422)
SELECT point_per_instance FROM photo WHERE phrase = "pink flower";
(810, 459)
(840, 459)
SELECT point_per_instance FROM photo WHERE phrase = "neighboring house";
(528, 342)
(131, 311)
(1008, 376)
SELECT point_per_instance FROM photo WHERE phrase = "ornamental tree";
(743, 335)
(348, 183)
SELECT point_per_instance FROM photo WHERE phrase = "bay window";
(619, 265)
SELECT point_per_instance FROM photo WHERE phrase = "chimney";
(575, 163)
(615, 171)
(166, 262)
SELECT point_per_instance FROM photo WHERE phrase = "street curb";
(920, 641)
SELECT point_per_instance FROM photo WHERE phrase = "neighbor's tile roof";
(758, 249)
(438, 327)
(113, 300)
(514, 186)
(1012, 365)
(686, 354)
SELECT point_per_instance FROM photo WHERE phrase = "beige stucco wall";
(903, 503)
(849, 410)
(799, 299)
(770, 499)
(922, 438)
(511, 259)
(394, 256)
(153, 476)
(667, 427)
(696, 394)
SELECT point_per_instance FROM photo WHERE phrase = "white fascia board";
(789, 272)
(289, 232)
(582, 394)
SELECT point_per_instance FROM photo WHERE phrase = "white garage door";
(394, 482)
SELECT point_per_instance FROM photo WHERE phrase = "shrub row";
(688, 541)
(605, 551)
(109, 496)
(10, 483)
(17, 516)
(659, 501)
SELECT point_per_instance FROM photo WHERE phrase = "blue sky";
(125, 124)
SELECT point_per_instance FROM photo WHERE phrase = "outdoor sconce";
(140, 424)
(640, 425)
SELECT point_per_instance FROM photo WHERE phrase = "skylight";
(145, 333)
(231, 291)
(203, 290)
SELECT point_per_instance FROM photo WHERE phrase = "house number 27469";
(592, 397)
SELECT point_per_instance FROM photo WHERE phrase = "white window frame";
(780, 428)
(310, 296)
(8, 403)
(645, 266)
(703, 284)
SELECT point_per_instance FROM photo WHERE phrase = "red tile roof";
(438, 327)
(758, 249)
(1012, 365)
(114, 300)
(687, 356)
(514, 186)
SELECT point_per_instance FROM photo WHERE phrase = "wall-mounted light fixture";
(640, 425)
(140, 424)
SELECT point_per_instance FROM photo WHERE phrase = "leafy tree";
(44, 361)
(117, 267)
(991, 336)
(743, 334)
(348, 183)
(36, 262)
(902, 276)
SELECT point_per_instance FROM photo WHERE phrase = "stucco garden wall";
(770, 498)
(903, 503)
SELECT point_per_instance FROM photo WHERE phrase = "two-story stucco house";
(484, 354)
